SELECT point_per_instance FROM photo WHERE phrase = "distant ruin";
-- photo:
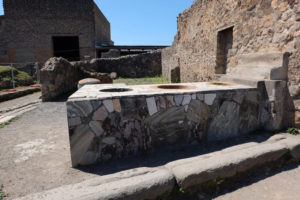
(35, 30)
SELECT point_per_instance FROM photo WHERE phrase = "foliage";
(142, 81)
(5, 74)
(293, 131)
(2, 193)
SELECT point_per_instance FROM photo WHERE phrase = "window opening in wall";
(224, 44)
(66, 47)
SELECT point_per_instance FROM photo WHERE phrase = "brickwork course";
(28, 28)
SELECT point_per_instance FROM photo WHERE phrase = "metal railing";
(33, 69)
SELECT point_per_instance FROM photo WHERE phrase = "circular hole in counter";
(174, 87)
(220, 84)
(116, 90)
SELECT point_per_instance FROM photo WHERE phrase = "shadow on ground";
(164, 156)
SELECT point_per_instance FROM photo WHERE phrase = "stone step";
(151, 183)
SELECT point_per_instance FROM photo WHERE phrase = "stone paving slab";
(6, 117)
(134, 184)
(149, 183)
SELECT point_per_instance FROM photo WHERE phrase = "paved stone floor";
(20, 102)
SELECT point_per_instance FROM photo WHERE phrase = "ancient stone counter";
(114, 121)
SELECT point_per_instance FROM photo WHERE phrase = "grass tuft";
(142, 81)
(2, 193)
(9, 122)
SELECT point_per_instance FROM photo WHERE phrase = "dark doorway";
(66, 47)
(224, 43)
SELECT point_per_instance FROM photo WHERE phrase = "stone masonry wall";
(102, 27)
(258, 26)
(60, 77)
(117, 127)
(131, 66)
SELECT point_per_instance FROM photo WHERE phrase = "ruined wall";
(131, 66)
(102, 27)
(30, 26)
(60, 77)
(258, 26)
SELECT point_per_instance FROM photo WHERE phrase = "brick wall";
(30, 26)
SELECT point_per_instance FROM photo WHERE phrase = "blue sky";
(141, 22)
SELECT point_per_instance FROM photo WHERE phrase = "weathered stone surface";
(253, 97)
(200, 97)
(117, 105)
(198, 112)
(136, 184)
(210, 98)
(178, 99)
(134, 107)
(80, 142)
(109, 140)
(96, 104)
(96, 127)
(74, 121)
(131, 66)
(87, 81)
(109, 105)
(152, 109)
(138, 122)
(89, 158)
(186, 100)
(194, 96)
(168, 127)
(226, 123)
(161, 102)
(293, 144)
(225, 165)
(170, 101)
(100, 114)
(79, 109)
(60, 77)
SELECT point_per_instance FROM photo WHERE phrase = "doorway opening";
(66, 47)
(224, 44)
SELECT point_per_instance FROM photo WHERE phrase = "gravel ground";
(34, 152)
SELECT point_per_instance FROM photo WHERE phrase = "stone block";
(225, 165)
(136, 184)
(226, 123)
(80, 142)
(101, 114)
(178, 99)
(79, 108)
(152, 109)
(96, 127)
(210, 98)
